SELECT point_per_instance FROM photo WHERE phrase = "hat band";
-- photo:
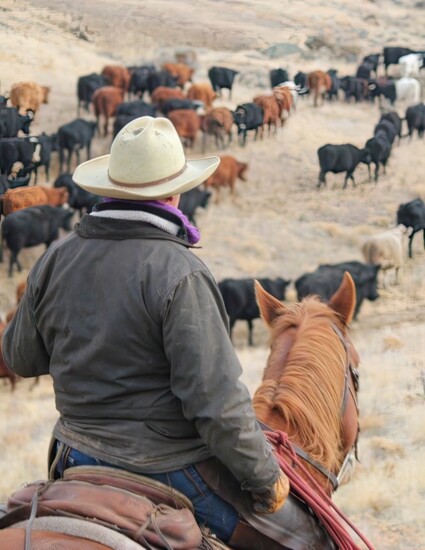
(148, 183)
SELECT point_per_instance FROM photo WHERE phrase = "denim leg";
(210, 509)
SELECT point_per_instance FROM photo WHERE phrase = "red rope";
(314, 496)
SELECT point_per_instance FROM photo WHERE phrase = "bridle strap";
(305, 456)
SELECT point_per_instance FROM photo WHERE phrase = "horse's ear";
(270, 307)
(344, 299)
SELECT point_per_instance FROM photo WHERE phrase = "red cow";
(180, 71)
(28, 96)
(187, 123)
(226, 174)
(105, 102)
(271, 110)
(218, 122)
(25, 197)
(116, 75)
(202, 91)
(163, 93)
(319, 83)
(285, 101)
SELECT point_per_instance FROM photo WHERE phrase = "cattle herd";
(33, 214)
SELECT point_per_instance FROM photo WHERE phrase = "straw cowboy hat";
(146, 161)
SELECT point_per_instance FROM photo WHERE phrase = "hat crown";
(146, 150)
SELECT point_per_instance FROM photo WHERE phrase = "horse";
(306, 402)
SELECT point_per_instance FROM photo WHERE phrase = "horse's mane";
(304, 379)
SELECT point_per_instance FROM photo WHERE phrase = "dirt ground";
(279, 224)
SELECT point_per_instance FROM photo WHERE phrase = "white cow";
(409, 65)
(387, 250)
(408, 89)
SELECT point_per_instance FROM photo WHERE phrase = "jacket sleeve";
(205, 373)
(24, 351)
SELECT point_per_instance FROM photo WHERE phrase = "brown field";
(279, 224)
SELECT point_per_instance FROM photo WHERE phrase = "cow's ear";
(344, 299)
(270, 307)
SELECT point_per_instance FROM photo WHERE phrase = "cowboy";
(131, 326)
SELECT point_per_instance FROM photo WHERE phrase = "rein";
(315, 497)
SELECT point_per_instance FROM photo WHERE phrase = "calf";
(161, 94)
(177, 103)
(105, 103)
(395, 119)
(335, 84)
(301, 81)
(326, 280)
(160, 78)
(382, 87)
(387, 127)
(228, 171)
(240, 302)
(392, 55)
(341, 158)
(17, 150)
(408, 89)
(181, 72)
(33, 226)
(373, 59)
(386, 249)
(222, 77)
(117, 76)
(191, 200)
(354, 87)
(139, 80)
(187, 124)
(11, 122)
(284, 96)
(411, 64)
(364, 71)
(247, 117)
(412, 214)
(26, 197)
(415, 118)
(319, 84)
(380, 150)
(136, 108)
(79, 199)
(75, 136)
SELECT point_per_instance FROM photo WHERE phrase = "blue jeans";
(210, 509)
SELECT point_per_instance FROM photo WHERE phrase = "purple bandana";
(193, 234)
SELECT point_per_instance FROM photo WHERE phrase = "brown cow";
(187, 123)
(117, 75)
(271, 111)
(218, 122)
(285, 102)
(28, 96)
(203, 92)
(105, 102)
(226, 174)
(163, 93)
(319, 83)
(180, 71)
(24, 197)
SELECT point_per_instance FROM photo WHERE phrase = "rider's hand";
(272, 499)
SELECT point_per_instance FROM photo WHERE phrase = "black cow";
(48, 144)
(160, 78)
(341, 158)
(72, 137)
(382, 87)
(415, 118)
(393, 117)
(353, 87)
(33, 226)
(191, 200)
(248, 116)
(17, 150)
(380, 150)
(301, 80)
(388, 128)
(86, 86)
(139, 79)
(11, 122)
(412, 214)
(177, 103)
(278, 76)
(392, 54)
(335, 84)
(137, 108)
(222, 77)
(364, 70)
(327, 278)
(240, 302)
(373, 59)
(79, 199)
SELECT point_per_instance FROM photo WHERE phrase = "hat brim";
(93, 176)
